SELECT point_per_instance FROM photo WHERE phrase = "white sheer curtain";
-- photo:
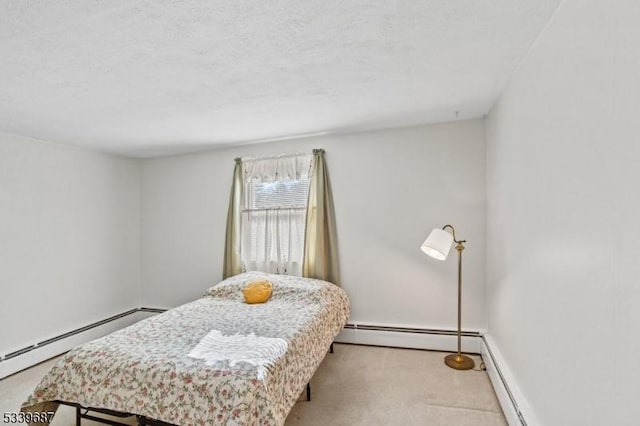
(275, 195)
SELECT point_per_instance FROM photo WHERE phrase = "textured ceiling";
(145, 78)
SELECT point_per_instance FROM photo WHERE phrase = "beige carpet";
(356, 385)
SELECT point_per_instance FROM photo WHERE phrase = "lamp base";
(459, 362)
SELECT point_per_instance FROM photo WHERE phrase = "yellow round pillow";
(257, 291)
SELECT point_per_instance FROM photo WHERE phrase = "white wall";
(69, 239)
(390, 189)
(563, 211)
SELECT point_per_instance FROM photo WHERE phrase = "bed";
(176, 367)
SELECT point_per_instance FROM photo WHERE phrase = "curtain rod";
(272, 157)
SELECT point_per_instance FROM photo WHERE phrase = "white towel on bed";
(259, 351)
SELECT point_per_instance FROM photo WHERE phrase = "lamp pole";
(459, 361)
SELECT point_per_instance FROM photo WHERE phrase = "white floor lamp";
(437, 245)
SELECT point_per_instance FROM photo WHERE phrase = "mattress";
(173, 367)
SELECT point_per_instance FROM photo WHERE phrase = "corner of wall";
(139, 163)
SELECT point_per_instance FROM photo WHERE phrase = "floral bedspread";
(145, 368)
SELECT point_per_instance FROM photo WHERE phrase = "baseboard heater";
(77, 331)
(504, 382)
(369, 327)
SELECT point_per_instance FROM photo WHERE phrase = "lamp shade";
(438, 244)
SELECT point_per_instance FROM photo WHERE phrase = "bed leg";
(78, 416)
(331, 348)
(308, 391)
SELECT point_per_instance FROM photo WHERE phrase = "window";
(273, 213)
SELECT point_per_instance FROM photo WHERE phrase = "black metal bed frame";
(142, 420)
